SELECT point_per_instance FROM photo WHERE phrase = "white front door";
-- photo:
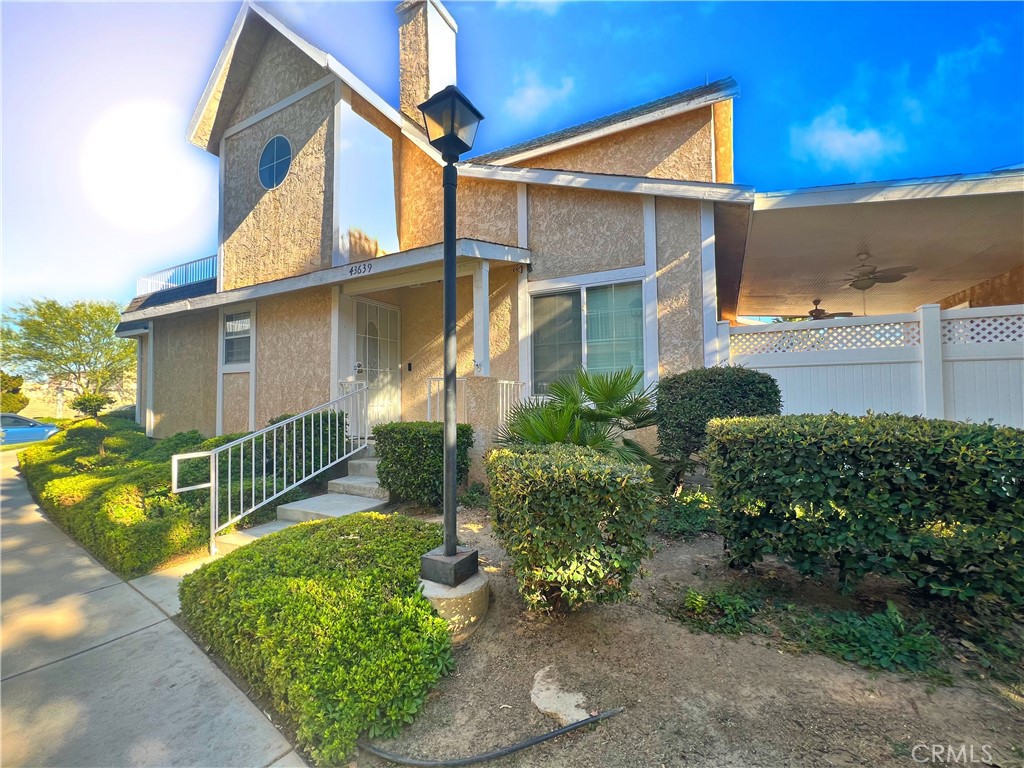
(379, 359)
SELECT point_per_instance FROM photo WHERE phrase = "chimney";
(426, 53)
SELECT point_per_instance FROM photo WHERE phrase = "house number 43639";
(360, 269)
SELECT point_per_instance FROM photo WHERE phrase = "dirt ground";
(690, 699)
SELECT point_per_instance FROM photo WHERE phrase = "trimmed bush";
(327, 620)
(688, 400)
(573, 521)
(411, 457)
(938, 503)
(91, 403)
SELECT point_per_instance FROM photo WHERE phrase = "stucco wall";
(293, 353)
(488, 210)
(185, 373)
(236, 403)
(270, 234)
(419, 197)
(141, 381)
(281, 70)
(575, 231)
(675, 148)
(680, 311)
(723, 142)
(1007, 288)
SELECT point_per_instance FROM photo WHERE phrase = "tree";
(10, 393)
(70, 344)
(90, 404)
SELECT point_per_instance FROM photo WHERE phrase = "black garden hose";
(415, 761)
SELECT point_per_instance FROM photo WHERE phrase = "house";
(620, 242)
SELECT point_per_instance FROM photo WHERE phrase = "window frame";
(581, 284)
(222, 337)
(273, 164)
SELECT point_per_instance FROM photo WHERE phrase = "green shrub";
(573, 521)
(411, 457)
(327, 620)
(12, 399)
(91, 403)
(686, 514)
(688, 400)
(937, 502)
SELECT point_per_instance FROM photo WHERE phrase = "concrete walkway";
(94, 673)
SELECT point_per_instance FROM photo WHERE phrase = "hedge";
(411, 457)
(108, 485)
(938, 503)
(687, 401)
(573, 521)
(326, 619)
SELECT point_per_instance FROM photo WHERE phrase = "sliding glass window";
(599, 328)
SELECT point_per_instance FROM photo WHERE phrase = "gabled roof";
(667, 106)
(235, 65)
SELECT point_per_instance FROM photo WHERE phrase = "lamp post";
(451, 122)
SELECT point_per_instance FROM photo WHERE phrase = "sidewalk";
(92, 673)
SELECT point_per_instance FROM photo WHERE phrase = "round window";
(275, 162)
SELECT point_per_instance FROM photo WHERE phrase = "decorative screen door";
(379, 360)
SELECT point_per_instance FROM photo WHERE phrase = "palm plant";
(595, 410)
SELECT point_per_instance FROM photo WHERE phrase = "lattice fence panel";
(983, 330)
(835, 338)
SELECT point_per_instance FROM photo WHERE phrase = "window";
(14, 421)
(275, 162)
(599, 328)
(237, 338)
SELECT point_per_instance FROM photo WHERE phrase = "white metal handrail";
(181, 274)
(252, 471)
(509, 393)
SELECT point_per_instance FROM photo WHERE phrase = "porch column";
(482, 319)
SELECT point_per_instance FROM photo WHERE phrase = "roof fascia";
(637, 185)
(622, 125)
(957, 185)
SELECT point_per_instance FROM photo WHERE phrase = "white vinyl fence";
(960, 364)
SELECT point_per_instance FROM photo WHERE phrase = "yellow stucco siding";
(723, 142)
(270, 234)
(281, 70)
(488, 210)
(677, 147)
(419, 197)
(573, 231)
(680, 310)
(293, 353)
(185, 373)
(236, 403)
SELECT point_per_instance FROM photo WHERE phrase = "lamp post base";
(464, 607)
(449, 571)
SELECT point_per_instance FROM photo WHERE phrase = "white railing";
(246, 474)
(435, 399)
(182, 274)
(509, 393)
(960, 364)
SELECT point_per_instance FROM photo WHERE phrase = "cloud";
(531, 97)
(831, 142)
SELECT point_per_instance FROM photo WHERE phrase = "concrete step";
(233, 541)
(363, 467)
(326, 506)
(358, 485)
(370, 452)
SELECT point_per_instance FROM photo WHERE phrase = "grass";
(687, 514)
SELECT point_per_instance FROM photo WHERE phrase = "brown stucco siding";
(185, 374)
(1007, 288)
(505, 324)
(677, 147)
(270, 234)
(723, 142)
(488, 210)
(236, 403)
(574, 231)
(293, 353)
(680, 311)
(281, 70)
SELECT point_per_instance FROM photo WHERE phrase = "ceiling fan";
(820, 314)
(865, 275)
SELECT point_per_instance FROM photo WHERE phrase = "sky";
(99, 185)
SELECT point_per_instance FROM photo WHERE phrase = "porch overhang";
(955, 231)
(405, 268)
